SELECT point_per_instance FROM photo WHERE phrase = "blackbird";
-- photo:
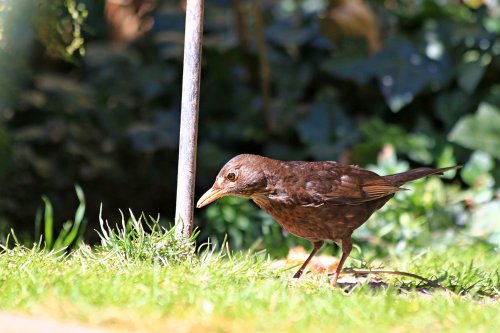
(317, 201)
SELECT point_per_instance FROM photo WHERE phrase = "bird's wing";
(352, 190)
(339, 184)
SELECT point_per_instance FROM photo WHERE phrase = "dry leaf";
(318, 264)
(351, 18)
(128, 19)
(324, 263)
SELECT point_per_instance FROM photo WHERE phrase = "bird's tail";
(403, 177)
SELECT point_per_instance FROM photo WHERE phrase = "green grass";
(143, 278)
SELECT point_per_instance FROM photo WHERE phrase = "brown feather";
(399, 179)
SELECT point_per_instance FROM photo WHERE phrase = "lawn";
(144, 282)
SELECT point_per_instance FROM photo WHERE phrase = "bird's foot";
(333, 281)
(298, 274)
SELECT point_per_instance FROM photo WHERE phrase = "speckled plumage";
(317, 201)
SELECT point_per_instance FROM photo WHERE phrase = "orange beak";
(210, 196)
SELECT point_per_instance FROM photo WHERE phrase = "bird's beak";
(210, 196)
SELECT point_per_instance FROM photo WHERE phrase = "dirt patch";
(18, 323)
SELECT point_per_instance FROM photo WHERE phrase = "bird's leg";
(317, 246)
(346, 245)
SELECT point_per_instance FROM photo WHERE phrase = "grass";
(221, 292)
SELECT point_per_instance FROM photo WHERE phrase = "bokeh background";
(90, 95)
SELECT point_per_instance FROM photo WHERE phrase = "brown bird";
(317, 201)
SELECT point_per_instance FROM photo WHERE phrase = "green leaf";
(38, 224)
(63, 235)
(446, 159)
(483, 222)
(480, 131)
(478, 167)
(452, 105)
(377, 134)
(403, 72)
(74, 232)
(469, 75)
(326, 128)
(48, 222)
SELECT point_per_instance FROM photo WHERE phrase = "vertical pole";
(189, 117)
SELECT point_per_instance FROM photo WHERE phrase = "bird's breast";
(300, 221)
(316, 222)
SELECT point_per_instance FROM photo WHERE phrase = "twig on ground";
(392, 272)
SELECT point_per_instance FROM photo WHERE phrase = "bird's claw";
(333, 281)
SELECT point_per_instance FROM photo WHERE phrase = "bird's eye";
(231, 176)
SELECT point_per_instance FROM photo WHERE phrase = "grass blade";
(76, 228)
(48, 222)
(38, 224)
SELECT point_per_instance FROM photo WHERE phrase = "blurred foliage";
(420, 76)
(57, 24)
(435, 213)
(479, 131)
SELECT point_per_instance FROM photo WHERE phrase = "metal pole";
(189, 117)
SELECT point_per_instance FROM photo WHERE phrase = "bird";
(317, 201)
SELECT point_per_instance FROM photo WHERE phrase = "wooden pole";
(189, 117)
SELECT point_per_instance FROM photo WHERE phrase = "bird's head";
(242, 176)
